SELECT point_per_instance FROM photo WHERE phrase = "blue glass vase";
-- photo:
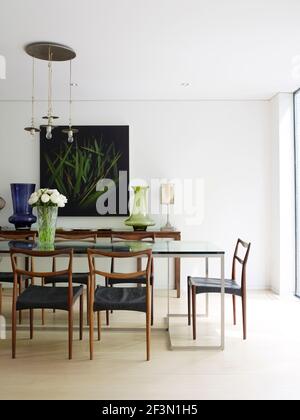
(22, 217)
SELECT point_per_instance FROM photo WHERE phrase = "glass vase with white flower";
(47, 203)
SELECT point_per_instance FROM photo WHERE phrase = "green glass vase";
(139, 218)
(47, 217)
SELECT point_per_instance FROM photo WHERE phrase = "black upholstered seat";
(9, 277)
(139, 280)
(120, 298)
(39, 297)
(212, 285)
(77, 278)
(6, 277)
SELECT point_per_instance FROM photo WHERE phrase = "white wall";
(283, 195)
(226, 144)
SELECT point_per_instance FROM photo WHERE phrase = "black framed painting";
(92, 172)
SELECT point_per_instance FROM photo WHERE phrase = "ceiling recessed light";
(185, 84)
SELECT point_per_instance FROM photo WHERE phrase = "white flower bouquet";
(47, 198)
(47, 203)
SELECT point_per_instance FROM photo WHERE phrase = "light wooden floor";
(267, 366)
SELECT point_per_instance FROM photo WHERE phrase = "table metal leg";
(193, 346)
(222, 303)
(207, 295)
(168, 314)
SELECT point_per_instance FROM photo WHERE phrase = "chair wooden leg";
(1, 299)
(14, 331)
(111, 286)
(194, 312)
(43, 310)
(99, 325)
(81, 318)
(234, 309)
(43, 316)
(244, 307)
(31, 323)
(148, 334)
(107, 318)
(70, 325)
(189, 300)
(88, 301)
(91, 317)
(148, 322)
(152, 305)
(107, 312)
(20, 312)
(54, 285)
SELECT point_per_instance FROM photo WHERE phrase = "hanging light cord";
(33, 91)
(71, 101)
(50, 85)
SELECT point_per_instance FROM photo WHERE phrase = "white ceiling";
(145, 49)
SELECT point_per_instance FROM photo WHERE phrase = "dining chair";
(203, 285)
(77, 278)
(43, 297)
(147, 237)
(136, 299)
(8, 277)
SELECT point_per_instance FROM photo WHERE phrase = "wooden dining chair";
(43, 297)
(147, 237)
(203, 285)
(8, 277)
(82, 278)
(120, 298)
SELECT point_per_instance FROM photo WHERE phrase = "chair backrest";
(133, 236)
(72, 236)
(92, 254)
(32, 273)
(242, 260)
(21, 271)
(17, 236)
(27, 238)
(88, 237)
(148, 237)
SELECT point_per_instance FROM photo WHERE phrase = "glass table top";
(158, 248)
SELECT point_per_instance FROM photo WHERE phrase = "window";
(297, 190)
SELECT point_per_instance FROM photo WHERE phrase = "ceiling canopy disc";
(43, 50)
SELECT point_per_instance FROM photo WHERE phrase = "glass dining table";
(160, 249)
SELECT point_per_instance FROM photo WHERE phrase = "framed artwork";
(92, 172)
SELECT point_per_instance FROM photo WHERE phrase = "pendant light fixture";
(32, 129)
(50, 52)
(50, 117)
(70, 131)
